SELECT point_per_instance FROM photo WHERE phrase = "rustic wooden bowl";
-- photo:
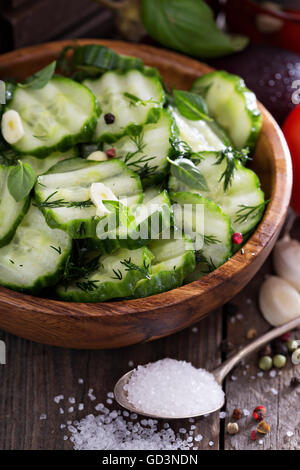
(116, 324)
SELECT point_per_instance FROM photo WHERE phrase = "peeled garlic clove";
(99, 192)
(279, 302)
(98, 156)
(286, 260)
(12, 127)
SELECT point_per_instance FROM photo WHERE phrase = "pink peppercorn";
(253, 435)
(237, 238)
(111, 153)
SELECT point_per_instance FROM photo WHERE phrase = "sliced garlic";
(99, 192)
(98, 156)
(286, 260)
(279, 302)
(12, 127)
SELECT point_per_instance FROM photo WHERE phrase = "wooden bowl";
(116, 324)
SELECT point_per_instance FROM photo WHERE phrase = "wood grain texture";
(116, 324)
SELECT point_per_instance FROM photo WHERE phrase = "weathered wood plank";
(35, 374)
(248, 390)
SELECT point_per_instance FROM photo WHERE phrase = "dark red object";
(111, 153)
(253, 435)
(237, 414)
(291, 130)
(259, 413)
(237, 238)
(285, 337)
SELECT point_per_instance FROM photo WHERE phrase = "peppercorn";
(232, 428)
(279, 347)
(237, 238)
(285, 337)
(279, 361)
(259, 413)
(236, 414)
(263, 427)
(230, 309)
(295, 381)
(109, 118)
(253, 435)
(251, 334)
(292, 345)
(265, 363)
(266, 351)
(111, 153)
(296, 357)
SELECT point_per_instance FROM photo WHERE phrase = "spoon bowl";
(219, 374)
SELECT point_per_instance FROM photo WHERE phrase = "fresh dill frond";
(56, 249)
(117, 274)
(209, 264)
(57, 203)
(87, 286)
(232, 157)
(246, 212)
(129, 266)
(137, 160)
(210, 240)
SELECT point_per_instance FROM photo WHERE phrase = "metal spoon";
(220, 373)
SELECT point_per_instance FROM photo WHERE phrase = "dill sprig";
(129, 266)
(210, 265)
(87, 286)
(58, 250)
(50, 204)
(210, 240)
(139, 164)
(246, 212)
(232, 157)
(117, 274)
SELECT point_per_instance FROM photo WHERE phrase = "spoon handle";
(221, 372)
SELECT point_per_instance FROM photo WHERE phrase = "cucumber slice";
(232, 104)
(209, 228)
(56, 117)
(63, 193)
(36, 256)
(243, 201)
(200, 135)
(42, 165)
(151, 219)
(132, 97)
(11, 212)
(173, 260)
(113, 279)
(145, 149)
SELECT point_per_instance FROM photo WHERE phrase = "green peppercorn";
(265, 363)
(292, 345)
(279, 361)
(296, 356)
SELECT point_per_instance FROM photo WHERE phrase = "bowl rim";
(269, 226)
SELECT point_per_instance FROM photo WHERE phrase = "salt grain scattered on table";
(173, 388)
(58, 398)
(43, 416)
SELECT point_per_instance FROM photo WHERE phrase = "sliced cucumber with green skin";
(55, 117)
(42, 165)
(132, 97)
(232, 104)
(63, 193)
(11, 211)
(209, 228)
(35, 257)
(243, 196)
(145, 149)
(173, 260)
(112, 279)
(151, 219)
(200, 135)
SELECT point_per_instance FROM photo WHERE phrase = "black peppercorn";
(109, 118)
(295, 382)
(278, 347)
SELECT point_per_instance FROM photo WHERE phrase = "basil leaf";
(21, 179)
(185, 170)
(191, 105)
(41, 78)
(188, 26)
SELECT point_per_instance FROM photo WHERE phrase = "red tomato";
(291, 130)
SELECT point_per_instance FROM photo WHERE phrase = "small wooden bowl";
(116, 324)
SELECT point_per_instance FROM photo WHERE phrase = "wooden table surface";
(34, 374)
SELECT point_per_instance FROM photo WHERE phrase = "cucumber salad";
(112, 186)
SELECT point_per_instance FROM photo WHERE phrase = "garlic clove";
(12, 127)
(99, 192)
(98, 156)
(286, 260)
(279, 302)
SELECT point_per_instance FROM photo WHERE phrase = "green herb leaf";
(41, 78)
(188, 26)
(185, 170)
(21, 179)
(191, 106)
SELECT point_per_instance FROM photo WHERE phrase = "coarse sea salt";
(171, 388)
